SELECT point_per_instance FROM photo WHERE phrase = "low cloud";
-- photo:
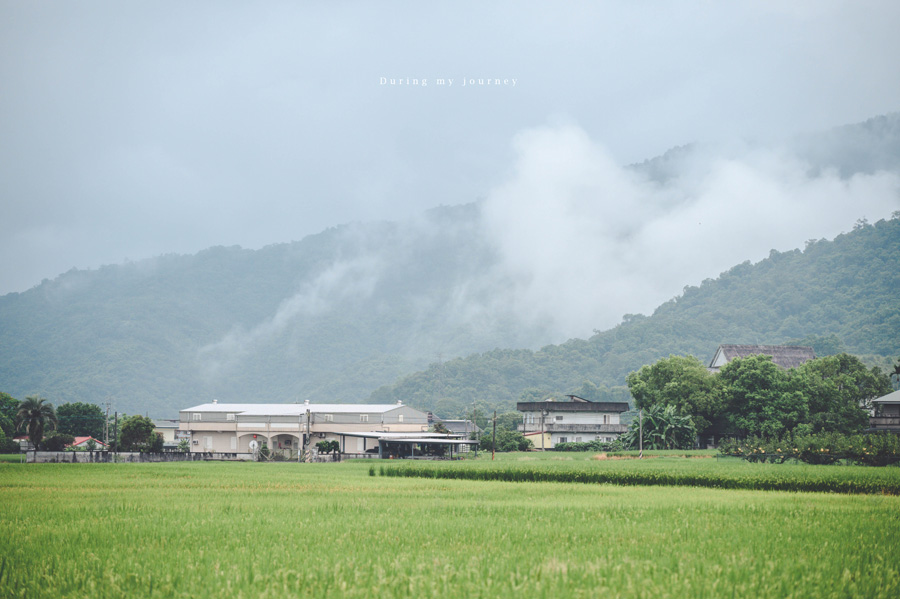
(350, 279)
(583, 240)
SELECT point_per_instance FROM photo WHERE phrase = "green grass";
(12, 458)
(329, 530)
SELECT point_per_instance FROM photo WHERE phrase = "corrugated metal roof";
(294, 409)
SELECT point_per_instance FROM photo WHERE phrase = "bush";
(56, 442)
(821, 448)
(595, 445)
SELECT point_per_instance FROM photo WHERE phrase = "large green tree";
(684, 383)
(81, 420)
(761, 398)
(839, 390)
(137, 433)
(35, 415)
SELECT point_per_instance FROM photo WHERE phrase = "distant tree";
(509, 420)
(156, 443)
(761, 398)
(9, 406)
(662, 427)
(137, 433)
(682, 382)
(839, 390)
(507, 440)
(81, 419)
(34, 416)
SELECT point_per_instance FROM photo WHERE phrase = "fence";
(99, 457)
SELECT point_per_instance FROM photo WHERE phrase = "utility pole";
(494, 440)
(543, 415)
(116, 437)
(307, 451)
(641, 433)
(106, 425)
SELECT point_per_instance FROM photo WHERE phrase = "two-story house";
(548, 423)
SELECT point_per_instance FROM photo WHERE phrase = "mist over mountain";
(836, 296)
(565, 244)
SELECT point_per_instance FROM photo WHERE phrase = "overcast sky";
(133, 129)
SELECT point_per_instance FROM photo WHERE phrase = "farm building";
(579, 420)
(786, 356)
(222, 427)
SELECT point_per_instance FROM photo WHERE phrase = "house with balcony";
(548, 423)
(886, 418)
(286, 428)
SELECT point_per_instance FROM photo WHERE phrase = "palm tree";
(35, 415)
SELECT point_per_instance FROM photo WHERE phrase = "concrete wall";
(88, 457)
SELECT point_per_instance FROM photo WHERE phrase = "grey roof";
(460, 426)
(786, 356)
(572, 406)
(889, 398)
(293, 409)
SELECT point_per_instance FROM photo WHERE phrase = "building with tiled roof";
(785, 356)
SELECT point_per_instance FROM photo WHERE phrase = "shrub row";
(595, 445)
(822, 448)
(762, 480)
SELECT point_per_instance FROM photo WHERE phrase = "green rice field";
(332, 530)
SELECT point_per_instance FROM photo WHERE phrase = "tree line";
(753, 397)
(55, 429)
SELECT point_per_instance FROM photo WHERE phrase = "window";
(196, 416)
(578, 439)
(606, 419)
(400, 418)
(327, 417)
(363, 417)
(558, 419)
(229, 416)
(563, 439)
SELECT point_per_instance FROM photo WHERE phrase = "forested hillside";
(331, 317)
(840, 295)
(357, 308)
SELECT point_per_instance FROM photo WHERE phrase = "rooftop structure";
(785, 356)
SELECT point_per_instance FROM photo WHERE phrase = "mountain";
(357, 308)
(840, 295)
(332, 316)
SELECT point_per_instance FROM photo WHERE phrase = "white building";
(222, 427)
(578, 421)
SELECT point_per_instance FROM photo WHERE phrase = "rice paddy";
(332, 530)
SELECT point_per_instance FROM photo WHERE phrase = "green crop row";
(849, 480)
